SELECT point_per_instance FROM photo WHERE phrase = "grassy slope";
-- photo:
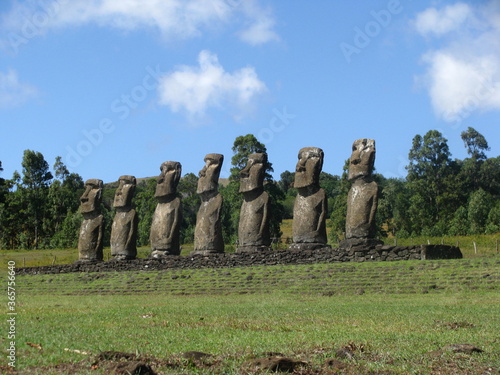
(397, 311)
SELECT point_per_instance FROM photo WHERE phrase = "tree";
(145, 203)
(429, 180)
(393, 206)
(339, 207)
(190, 204)
(480, 204)
(489, 176)
(3, 188)
(475, 143)
(330, 184)
(63, 203)
(286, 181)
(34, 188)
(243, 146)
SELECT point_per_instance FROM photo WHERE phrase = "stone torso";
(309, 213)
(361, 208)
(90, 241)
(208, 231)
(124, 234)
(165, 226)
(253, 229)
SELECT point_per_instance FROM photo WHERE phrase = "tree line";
(439, 196)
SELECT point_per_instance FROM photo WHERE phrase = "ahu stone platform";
(266, 257)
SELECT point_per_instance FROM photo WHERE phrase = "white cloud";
(260, 30)
(176, 19)
(442, 21)
(463, 76)
(12, 92)
(194, 90)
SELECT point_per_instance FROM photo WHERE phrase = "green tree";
(63, 200)
(34, 188)
(243, 146)
(480, 204)
(339, 207)
(393, 204)
(470, 175)
(475, 143)
(3, 187)
(145, 204)
(330, 184)
(459, 224)
(190, 204)
(493, 221)
(489, 176)
(429, 176)
(286, 181)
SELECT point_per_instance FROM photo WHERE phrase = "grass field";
(368, 318)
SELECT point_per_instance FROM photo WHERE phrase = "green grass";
(397, 312)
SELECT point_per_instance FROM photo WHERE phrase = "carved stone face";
(91, 198)
(209, 175)
(362, 158)
(125, 192)
(168, 179)
(308, 167)
(252, 176)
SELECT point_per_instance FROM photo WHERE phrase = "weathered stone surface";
(440, 252)
(165, 227)
(124, 228)
(208, 232)
(361, 244)
(243, 259)
(91, 230)
(253, 229)
(362, 199)
(310, 207)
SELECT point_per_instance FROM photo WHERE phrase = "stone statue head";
(124, 192)
(362, 159)
(168, 179)
(209, 175)
(252, 176)
(91, 198)
(308, 167)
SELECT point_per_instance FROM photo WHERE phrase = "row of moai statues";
(309, 213)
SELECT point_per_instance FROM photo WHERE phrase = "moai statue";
(310, 207)
(208, 232)
(124, 228)
(165, 228)
(253, 229)
(90, 240)
(362, 197)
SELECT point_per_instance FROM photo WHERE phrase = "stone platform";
(248, 259)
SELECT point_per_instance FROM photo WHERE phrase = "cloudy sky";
(119, 86)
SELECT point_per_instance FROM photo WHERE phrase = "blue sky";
(117, 87)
